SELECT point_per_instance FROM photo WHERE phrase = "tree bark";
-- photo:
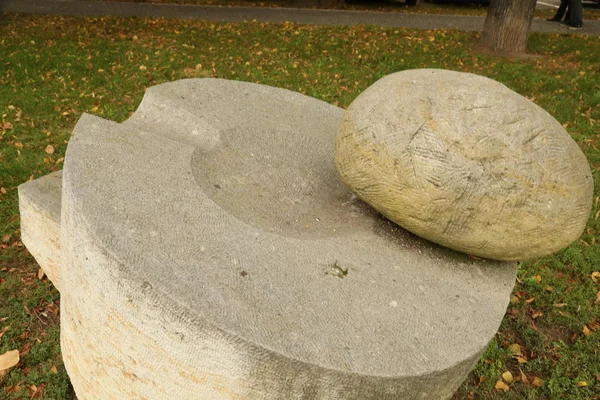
(506, 27)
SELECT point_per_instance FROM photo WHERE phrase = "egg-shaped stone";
(463, 161)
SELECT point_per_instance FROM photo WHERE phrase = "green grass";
(53, 69)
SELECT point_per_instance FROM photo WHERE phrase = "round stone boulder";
(463, 161)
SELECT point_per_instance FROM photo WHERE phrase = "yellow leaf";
(538, 278)
(54, 370)
(40, 274)
(586, 331)
(595, 276)
(514, 349)
(521, 360)
(597, 298)
(502, 386)
(507, 376)
(49, 149)
(9, 359)
(537, 382)
(582, 383)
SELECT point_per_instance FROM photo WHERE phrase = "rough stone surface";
(210, 251)
(39, 206)
(463, 161)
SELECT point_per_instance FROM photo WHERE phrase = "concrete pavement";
(274, 15)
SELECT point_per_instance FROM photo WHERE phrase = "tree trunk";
(506, 27)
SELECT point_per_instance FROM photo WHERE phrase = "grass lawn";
(591, 11)
(53, 69)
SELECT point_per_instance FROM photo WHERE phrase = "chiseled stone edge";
(39, 207)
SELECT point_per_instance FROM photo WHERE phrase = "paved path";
(297, 15)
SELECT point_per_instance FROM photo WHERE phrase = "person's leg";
(560, 12)
(576, 10)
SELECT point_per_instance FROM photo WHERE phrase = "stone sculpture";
(209, 250)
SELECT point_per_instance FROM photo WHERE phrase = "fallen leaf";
(530, 300)
(3, 331)
(507, 376)
(537, 314)
(521, 360)
(582, 383)
(49, 149)
(595, 274)
(40, 274)
(5, 238)
(54, 370)
(597, 298)
(2, 190)
(586, 331)
(559, 305)
(502, 386)
(524, 378)
(19, 145)
(550, 289)
(514, 349)
(538, 278)
(537, 382)
(9, 359)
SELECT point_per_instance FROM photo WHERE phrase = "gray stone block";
(209, 251)
(39, 208)
(461, 160)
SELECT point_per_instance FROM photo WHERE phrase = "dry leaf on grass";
(49, 149)
(507, 376)
(537, 382)
(582, 383)
(514, 349)
(586, 331)
(524, 378)
(9, 359)
(502, 386)
(40, 274)
(596, 276)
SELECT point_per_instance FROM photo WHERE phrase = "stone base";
(39, 206)
(208, 250)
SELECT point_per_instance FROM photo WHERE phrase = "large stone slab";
(39, 208)
(208, 250)
(461, 160)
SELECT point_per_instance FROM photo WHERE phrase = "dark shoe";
(575, 26)
(554, 19)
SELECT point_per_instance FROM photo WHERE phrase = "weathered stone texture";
(463, 161)
(180, 281)
(39, 208)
